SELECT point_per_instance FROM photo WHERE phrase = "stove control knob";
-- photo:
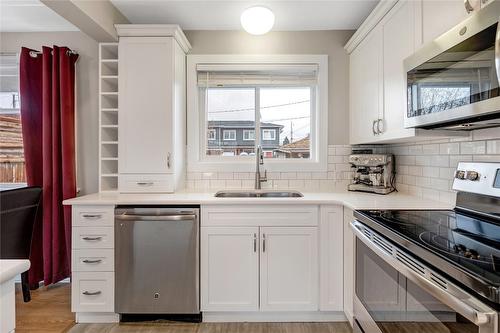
(472, 175)
(460, 174)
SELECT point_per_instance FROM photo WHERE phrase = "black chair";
(18, 211)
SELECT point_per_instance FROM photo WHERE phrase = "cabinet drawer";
(146, 183)
(92, 292)
(259, 215)
(93, 238)
(93, 216)
(93, 260)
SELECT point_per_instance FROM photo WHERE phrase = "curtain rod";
(34, 54)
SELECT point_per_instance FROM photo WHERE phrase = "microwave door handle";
(485, 317)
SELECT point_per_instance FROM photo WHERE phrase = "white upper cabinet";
(393, 32)
(151, 89)
(145, 92)
(366, 87)
(398, 43)
(439, 16)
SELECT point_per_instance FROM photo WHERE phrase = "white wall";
(86, 93)
(293, 42)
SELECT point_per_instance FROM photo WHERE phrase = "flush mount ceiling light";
(257, 20)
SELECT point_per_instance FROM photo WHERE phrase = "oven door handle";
(455, 298)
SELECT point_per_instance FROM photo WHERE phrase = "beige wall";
(86, 93)
(299, 42)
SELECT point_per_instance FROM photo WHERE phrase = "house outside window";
(229, 135)
(271, 105)
(248, 135)
(268, 134)
(212, 134)
(12, 163)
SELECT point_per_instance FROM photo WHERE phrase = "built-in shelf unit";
(108, 117)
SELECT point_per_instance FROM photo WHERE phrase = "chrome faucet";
(258, 162)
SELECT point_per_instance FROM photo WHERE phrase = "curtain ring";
(33, 54)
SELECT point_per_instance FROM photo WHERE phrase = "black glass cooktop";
(463, 240)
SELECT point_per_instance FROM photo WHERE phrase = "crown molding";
(154, 30)
(369, 23)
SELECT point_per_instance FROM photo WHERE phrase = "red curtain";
(47, 92)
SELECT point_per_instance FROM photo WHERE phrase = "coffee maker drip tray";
(370, 188)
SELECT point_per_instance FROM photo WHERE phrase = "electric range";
(432, 270)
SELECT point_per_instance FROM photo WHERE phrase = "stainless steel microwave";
(453, 81)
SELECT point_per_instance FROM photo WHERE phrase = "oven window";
(462, 75)
(396, 304)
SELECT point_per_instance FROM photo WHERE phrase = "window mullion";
(257, 118)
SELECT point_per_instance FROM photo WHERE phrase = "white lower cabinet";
(230, 262)
(229, 269)
(289, 269)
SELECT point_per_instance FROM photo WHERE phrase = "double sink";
(258, 194)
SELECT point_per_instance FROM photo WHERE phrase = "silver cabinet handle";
(92, 293)
(468, 6)
(380, 121)
(263, 242)
(92, 261)
(145, 183)
(254, 242)
(373, 127)
(92, 216)
(168, 160)
(92, 238)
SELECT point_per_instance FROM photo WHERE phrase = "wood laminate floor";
(50, 312)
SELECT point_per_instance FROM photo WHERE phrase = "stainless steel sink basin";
(258, 194)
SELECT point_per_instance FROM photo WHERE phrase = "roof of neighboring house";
(301, 145)
(240, 124)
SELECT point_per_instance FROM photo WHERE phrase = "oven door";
(456, 76)
(396, 293)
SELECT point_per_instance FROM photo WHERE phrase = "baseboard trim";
(96, 317)
(289, 316)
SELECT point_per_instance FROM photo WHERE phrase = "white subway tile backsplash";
(493, 147)
(449, 148)
(473, 147)
(432, 149)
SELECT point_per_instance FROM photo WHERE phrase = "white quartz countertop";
(9, 268)
(353, 200)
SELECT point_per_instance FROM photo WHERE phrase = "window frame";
(248, 131)
(196, 117)
(229, 131)
(212, 137)
(269, 130)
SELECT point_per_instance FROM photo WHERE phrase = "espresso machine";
(373, 173)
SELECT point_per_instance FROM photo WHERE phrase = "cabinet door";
(438, 16)
(289, 269)
(331, 258)
(229, 269)
(398, 42)
(349, 257)
(366, 87)
(145, 101)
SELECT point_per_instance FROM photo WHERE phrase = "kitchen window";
(12, 164)
(278, 106)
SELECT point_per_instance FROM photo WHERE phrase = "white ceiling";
(225, 15)
(30, 16)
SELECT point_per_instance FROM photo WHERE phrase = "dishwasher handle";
(137, 217)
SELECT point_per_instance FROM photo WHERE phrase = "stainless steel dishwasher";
(157, 260)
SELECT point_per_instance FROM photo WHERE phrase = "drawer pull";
(98, 238)
(145, 183)
(92, 216)
(91, 293)
(92, 261)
